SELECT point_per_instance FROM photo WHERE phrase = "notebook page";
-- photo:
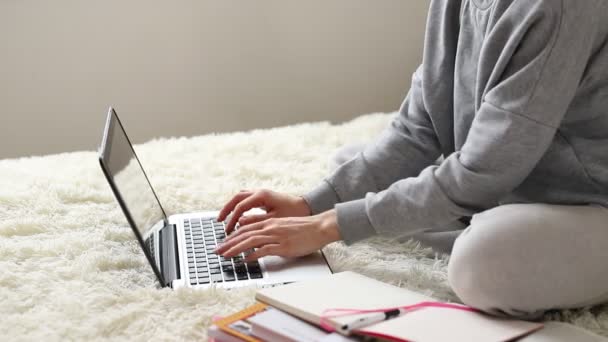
(439, 324)
(308, 299)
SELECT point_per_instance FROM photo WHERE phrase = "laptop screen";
(131, 181)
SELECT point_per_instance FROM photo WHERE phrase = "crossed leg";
(523, 259)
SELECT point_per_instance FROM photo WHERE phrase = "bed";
(71, 269)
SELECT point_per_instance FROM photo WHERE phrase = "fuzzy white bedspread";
(71, 270)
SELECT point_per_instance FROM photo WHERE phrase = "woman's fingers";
(259, 199)
(288, 237)
(272, 249)
(253, 241)
(255, 229)
(254, 201)
(246, 229)
(234, 239)
(246, 220)
(227, 209)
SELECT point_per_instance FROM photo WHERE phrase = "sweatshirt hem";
(353, 223)
(321, 198)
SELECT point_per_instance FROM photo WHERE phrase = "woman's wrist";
(303, 207)
(328, 226)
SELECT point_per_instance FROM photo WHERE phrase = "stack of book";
(350, 307)
(261, 322)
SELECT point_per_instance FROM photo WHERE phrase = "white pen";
(370, 319)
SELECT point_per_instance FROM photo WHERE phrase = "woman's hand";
(276, 205)
(286, 237)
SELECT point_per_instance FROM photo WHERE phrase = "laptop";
(180, 247)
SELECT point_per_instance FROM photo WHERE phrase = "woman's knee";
(527, 258)
(485, 268)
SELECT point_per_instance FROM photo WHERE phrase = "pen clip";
(341, 312)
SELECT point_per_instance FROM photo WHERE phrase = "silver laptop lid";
(131, 187)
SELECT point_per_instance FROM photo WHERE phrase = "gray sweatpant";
(523, 259)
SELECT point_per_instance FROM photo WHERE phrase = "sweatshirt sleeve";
(402, 150)
(512, 129)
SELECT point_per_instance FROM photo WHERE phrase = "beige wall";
(188, 67)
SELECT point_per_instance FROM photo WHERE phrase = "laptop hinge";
(169, 257)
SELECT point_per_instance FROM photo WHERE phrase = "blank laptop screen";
(131, 181)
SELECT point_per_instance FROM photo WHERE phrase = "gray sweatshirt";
(513, 94)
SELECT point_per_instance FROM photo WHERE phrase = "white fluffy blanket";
(70, 268)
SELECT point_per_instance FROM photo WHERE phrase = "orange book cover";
(237, 324)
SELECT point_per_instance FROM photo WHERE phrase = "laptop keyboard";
(206, 267)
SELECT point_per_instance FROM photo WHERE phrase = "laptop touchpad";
(293, 269)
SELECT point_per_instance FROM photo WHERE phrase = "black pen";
(371, 319)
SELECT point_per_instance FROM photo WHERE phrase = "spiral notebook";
(309, 300)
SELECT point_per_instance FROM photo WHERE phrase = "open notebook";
(308, 300)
